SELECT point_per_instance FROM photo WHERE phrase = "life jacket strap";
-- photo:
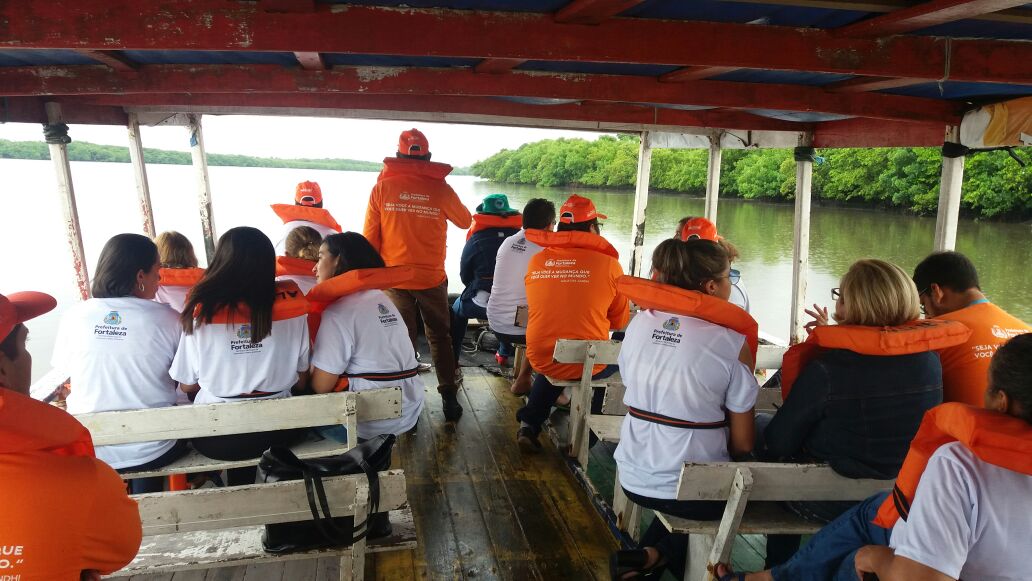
(256, 394)
(674, 422)
(899, 498)
(383, 376)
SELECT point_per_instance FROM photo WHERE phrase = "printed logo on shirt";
(520, 245)
(1001, 333)
(387, 319)
(668, 335)
(111, 328)
(243, 342)
(561, 270)
(11, 556)
(672, 324)
(408, 196)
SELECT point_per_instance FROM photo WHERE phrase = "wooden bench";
(222, 527)
(751, 489)
(197, 421)
(587, 354)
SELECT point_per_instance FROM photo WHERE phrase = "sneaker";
(527, 440)
(501, 359)
(452, 408)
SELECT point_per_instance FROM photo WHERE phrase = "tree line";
(84, 151)
(995, 185)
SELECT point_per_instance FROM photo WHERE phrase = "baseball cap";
(20, 307)
(413, 142)
(308, 194)
(495, 204)
(578, 209)
(699, 228)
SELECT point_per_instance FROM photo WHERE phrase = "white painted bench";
(222, 527)
(750, 489)
(588, 354)
(197, 421)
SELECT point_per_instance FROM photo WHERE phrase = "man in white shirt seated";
(962, 504)
(508, 289)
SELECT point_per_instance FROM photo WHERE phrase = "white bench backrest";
(769, 356)
(773, 482)
(576, 350)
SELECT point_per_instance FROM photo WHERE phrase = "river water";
(35, 251)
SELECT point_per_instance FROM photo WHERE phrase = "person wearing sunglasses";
(856, 412)
(693, 227)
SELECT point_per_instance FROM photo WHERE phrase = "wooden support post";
(801, 245)
(628, 514)
(140, 171)
(580, 408)
(200, 163)
(54, 130)
(950, 193)
(733, 511)
(641, 202)
(713, 177)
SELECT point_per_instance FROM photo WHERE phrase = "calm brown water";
(34, 253)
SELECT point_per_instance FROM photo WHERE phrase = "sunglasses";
(733, 276)
(836, 294)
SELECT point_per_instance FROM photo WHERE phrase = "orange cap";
(308, 194)
(578, 209)
(413, 142)
(699, 228)
(20, 307)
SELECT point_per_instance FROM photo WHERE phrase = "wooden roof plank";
(925, 15)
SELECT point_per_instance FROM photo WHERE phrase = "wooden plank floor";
(483, 509)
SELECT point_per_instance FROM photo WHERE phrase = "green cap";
(496, 204)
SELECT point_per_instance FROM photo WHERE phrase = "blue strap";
(978, 302)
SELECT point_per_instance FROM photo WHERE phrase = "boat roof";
(853, 72)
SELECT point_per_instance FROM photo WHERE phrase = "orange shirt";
(965, 368)
(407, 218)
(63, 511)
(571, 294)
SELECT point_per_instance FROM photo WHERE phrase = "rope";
(946, 71)
(56, 134)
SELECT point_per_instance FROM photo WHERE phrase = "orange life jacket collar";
(326, 293)
(394, 166)
(27, 425)
(292, 213)
(995, 438)
(288, 266)
(486, 221)
(649, 294)
(914, 337)
(572, 239)
(290, 303)
(180, 276)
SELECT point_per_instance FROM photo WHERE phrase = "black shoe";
(452, 408)
(379, 526)
(527, 440)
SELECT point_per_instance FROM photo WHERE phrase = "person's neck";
(971, 296)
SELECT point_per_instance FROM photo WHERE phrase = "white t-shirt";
(509, 291)
(969, 519)
(222, 360)
(305, 283)
(364, 333)
(684, 368)
(117, 352)
(173, 296)
(281, 244)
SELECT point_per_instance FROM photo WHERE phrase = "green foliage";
(905, 178)
(83, 151)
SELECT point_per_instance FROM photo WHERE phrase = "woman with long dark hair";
(117, 348)
(245, 337)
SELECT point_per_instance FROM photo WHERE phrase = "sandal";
(623, 562)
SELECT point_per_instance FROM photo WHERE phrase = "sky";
(297, 137)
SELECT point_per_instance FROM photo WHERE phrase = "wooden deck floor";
(483, 509)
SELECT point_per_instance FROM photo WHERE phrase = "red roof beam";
(36, 81)
(593, 11)
(31, 110)
(877, 133)
(220, 25)
(588, 111)
(924, 15)
(864, 84)
(496, 66)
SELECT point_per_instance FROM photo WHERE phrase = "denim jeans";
(831, 553)
(543, 395)
(674, 548)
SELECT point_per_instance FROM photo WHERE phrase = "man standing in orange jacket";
(65, 514)
(407, 222)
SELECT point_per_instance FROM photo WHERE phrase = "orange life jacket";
(292, 213)
(290, 302)
(180, 276)
(914, 337)
(324, 294)
(287, 266)
(485, 221)
(995, 438)
(28, 425)
(572, 239)
(649, 294)
(393, 166)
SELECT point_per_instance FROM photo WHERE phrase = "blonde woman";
(302, 249)
(179, 270)
(857, 412)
